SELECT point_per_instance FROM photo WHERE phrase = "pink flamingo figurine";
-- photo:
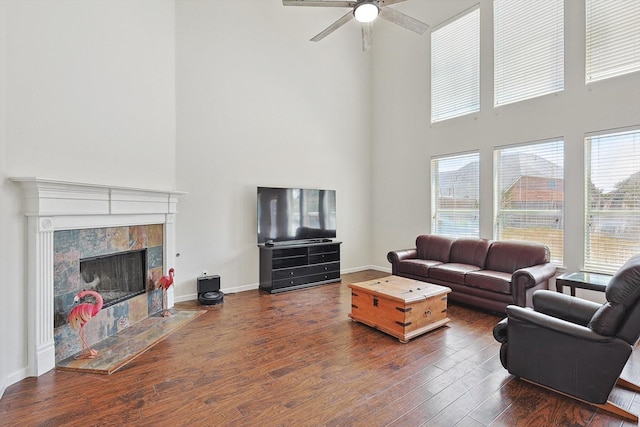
(80, 315)
(165, 283)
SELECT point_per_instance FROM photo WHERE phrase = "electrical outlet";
(204, 272)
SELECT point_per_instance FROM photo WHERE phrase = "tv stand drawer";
(323, 268)
(320, 258)
(290, 273)
(286, 283)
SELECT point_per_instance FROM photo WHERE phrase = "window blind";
(612, 38)
(455, 192)
(612, 223)
(455, 67)
(528, 49)
(529, 194)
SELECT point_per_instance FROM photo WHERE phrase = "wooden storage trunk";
(401, 307)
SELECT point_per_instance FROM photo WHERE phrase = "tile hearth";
(119, 349)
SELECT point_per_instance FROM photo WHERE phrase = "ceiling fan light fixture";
(366, 11)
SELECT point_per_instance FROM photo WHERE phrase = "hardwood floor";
(296, 359)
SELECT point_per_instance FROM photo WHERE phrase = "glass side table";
(590, 281)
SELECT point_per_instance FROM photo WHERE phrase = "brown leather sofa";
(483, 273)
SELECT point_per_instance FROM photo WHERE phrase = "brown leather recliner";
(574, 346)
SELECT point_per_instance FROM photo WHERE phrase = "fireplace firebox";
(117, 277)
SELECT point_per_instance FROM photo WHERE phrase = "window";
(613, 38)
(529, 194)
(612, 222)
(528, 49)
(455, 189)
(455, 67)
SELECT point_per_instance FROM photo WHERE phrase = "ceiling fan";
(364, 11)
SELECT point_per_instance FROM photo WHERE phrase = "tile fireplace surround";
(52, 206)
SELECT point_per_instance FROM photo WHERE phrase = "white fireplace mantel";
(52, 205)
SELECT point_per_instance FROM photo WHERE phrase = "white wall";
(95, 91)
(258, 104)
(404, 140)
(87, 94)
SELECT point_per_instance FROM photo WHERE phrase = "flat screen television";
(287, 215)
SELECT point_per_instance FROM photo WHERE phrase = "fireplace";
(104, 220)
(116, 277)
(123, 264)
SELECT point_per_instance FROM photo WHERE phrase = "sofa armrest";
(528, 277)
(394, 257)
(399, 255)
(571, 309)
(532, 317)
(531, 276)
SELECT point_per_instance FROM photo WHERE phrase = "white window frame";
(612, 219)
(455, 67)
(528, 49)
(543, 217)
(612, 39)
(465, 209)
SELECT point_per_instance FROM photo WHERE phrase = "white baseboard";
(254, 286)
(3, 386)
(18, 376)
(12, 379)
(366, 267)
(243, 288)
(233, 290)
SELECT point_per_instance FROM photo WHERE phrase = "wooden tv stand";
(301, 265)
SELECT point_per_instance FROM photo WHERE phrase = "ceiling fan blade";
(331, 28)
(367, 36)
(403, 20)
(383, 3)
(325, 3)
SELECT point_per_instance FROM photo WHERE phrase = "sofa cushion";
(416, 267)
(434, 247)
(509, 256)
(451, 272)
(496, 281)
(470, 251)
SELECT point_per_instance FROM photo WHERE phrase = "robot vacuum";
(209, 292)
